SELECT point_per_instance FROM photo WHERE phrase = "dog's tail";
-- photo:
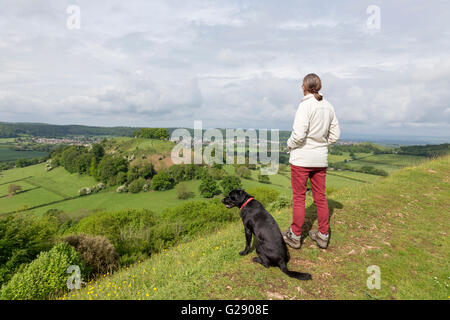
(294, 274)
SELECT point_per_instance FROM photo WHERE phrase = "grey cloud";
(231, 64)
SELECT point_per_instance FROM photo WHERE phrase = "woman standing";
(315, 128)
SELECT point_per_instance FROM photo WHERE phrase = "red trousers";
(299, 178)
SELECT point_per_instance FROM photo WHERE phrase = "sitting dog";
(270, 246)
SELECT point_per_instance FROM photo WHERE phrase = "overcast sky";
(228, 63)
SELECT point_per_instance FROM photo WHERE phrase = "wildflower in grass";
(147, 295)
(154, 289)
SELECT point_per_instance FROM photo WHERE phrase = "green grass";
(25, 187)
(399, 223)
(7, 154)
(388, 162)
(59, 184)
(111, 200)
(150, 146)
(27, 199)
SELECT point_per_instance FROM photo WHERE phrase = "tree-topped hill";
(13, 130)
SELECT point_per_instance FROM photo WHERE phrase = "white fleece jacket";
(315, 128)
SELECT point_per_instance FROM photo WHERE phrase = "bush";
(217, 173)
(183, 193)
(14, 188)
(22, 237)
(263, 178)
(162, 181)
(97, 252)
(121, 178)
(84, 191)
(230, 183)
(128, 230)
(208, 187)
(44, 276)
(191, 218)
(281, 203)
(243, 172)
(122, 189)
(137, 185)
(264, 195)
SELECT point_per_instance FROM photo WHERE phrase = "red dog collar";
(245, 203)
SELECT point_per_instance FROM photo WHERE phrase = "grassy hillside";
(399, 223)
(58, 189)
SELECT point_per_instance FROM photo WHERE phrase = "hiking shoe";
(319, 239)
(291, 241)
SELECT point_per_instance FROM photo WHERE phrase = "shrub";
(263, 178)
(22, 237)
(162, 181)
(133, 174)
(14, 188)
(182, 192)
(97, 252)
(264, 195)
(230, 183)
(44, 276)
(217, 173)
(84, 191)
(208, 187)
(191, 218)
(281, 203)
(128, 230)
(243, 172)
(121, 178)
(137, 185)
(122, 189)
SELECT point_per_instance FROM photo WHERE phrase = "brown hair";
(313, 84)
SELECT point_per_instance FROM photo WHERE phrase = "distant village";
(78, 141)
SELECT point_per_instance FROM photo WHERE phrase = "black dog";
(270, 247)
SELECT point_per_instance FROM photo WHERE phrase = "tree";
(230, 183)
(14, 188)
(243, 172)
(208, 187)
(183, 192)
(98, 151)
(137, 185)
(109, 167)
(84, 162)
(133, 174)
(263, 178)
(147, 171)
(162, 181)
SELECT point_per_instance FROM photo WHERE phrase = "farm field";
(59, 189)
(7, 154)
(388, 162)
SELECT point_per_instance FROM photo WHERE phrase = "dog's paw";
(243, 253)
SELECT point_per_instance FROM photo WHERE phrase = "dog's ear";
(241, 195)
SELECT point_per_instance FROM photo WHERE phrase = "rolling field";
(388, 162)
(58, 189)
(7, 154)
